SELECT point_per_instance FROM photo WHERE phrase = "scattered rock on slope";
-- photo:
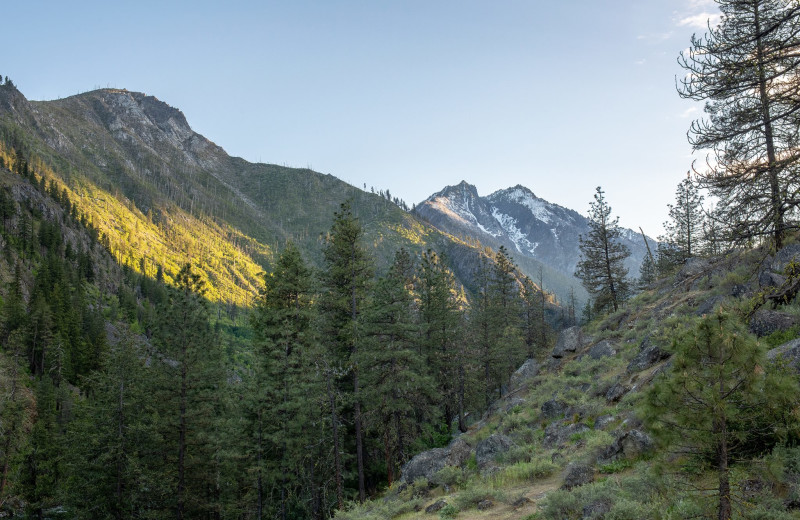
(569, 340)
(788, 352)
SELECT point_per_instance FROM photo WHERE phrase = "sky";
(410, 96)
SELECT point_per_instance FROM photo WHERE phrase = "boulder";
(569, 340)
(629, 445)
(436, 506)
(603, 349)
(770, 279)
(765, 321)
(649, 354)
(603, 421)
(616, 392)
(708, 305)
(788, 353)
(597, 509)
(557, 434)
(485, 504)
(554, 409)
(577, 475)
(491, 447)
(528, 370)
(427, 463)
(693, 268)
(784, 256)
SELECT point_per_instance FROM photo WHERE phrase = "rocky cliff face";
(522, 222)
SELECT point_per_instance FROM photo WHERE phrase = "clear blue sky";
(559, 96)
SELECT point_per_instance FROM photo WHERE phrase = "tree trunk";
(337, 457)
(772, 167)
(182, 442)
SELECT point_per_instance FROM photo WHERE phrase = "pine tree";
(507, 313)
(685, 226)
(601, 267)
(287, 348)
(346, 280)
(191, 378)
(746, 71)
(718, 403)
(397, 384)
(439, 334)
(112, 468)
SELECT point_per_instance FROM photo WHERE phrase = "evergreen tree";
(747, 73)
(287, 348)
(439, 334)
(112, 468)
(601, 267)
(397, 386)
(685, 226)
(718, 403)
(190, 382)
(346, 280)
(507, 313)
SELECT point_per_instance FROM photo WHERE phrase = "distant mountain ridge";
(528, 226)
(162, 194)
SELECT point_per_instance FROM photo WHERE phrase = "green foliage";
(448, 511)
(601, 268)
(448, 476)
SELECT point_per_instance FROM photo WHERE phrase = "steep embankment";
(566, 441)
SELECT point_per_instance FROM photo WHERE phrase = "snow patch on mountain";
(538, 207)
(517, 237)
(458, 212)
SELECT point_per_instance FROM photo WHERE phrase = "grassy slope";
(631, 487)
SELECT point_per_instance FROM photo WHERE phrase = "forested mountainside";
(160, 193)
(133, 387)
(531, 228)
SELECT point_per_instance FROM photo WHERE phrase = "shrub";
(448, 476)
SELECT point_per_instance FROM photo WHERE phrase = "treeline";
(125, 398)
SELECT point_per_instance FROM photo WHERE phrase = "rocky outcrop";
(603, 349)
(629, 445)
(528, 370)
(788, 353)
(765, 321)
(427, 463)
(577, 475)
(558, 434)
(490, 448)
(569, 340)
(554, 409)
(649, 354)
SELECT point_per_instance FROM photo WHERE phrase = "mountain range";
(531, 228)
(160, 194)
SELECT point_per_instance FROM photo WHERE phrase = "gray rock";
(603, 421)
(765, 321)
(789, 353)
(693, 268)
(739, 291)
(603, 349)
(784, 256)
(436, 506)
(647, 358)
(708, 305)
(485, 504)
(570, 340)
(427, 463)
(528, 370)
(491, 447)
(553, 409)
(597, 509)
(558, 434)
(577, 475)
(616, 392)
(770, 279)
(629, 445)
